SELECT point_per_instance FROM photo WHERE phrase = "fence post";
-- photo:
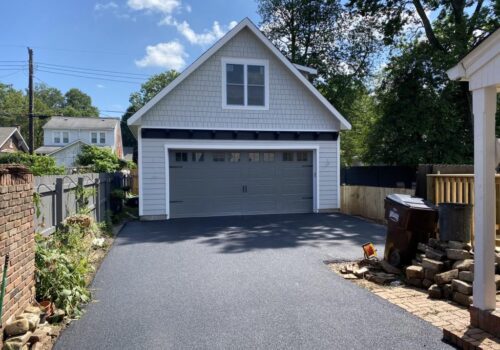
(80, 200)
(59, 201)
(97, 201)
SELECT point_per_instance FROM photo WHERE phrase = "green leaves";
(38, 164)
(100, 159)
(63, 266)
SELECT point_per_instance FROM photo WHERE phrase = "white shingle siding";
(154, 182)
(197, 101)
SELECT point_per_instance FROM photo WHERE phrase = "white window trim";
(60, 133)
(245, 62)
(98, 137)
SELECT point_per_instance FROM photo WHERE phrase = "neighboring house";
(63, 137)
(240, 131)
(11, 140)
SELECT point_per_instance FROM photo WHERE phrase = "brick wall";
(17, 237)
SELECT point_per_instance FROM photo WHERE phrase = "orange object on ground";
(369, 250)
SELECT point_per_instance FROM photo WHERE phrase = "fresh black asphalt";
(255, 282)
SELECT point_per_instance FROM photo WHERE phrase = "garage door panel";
(247, 186)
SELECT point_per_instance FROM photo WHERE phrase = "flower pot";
(47, 306)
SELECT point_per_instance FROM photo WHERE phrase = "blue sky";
(138, 37)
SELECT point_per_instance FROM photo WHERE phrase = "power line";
(93, 78)
(91, 73)
(10, 74)
(93, 69)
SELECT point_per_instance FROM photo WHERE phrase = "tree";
(138, 99)
(323, 34)
(49, 101)
(425, 118)
(78, 104)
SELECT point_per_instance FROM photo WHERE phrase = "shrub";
(100, 159)
(38, 164)
(63, 264)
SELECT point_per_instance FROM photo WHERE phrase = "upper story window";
(245, 83)
(60, 137)
(98, 137)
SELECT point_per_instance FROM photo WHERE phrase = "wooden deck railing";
(459, 188)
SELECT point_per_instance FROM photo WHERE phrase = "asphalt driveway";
(256, 282)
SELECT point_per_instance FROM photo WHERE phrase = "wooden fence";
(134, 174)
(58, 198)
(367, 201)
(459, 188)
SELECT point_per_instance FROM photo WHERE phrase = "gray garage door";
(211, 183)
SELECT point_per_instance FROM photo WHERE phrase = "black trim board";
(197, 134)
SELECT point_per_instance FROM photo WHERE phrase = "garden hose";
(4, 283)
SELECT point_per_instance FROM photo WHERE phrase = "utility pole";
(31, 103)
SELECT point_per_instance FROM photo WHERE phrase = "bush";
(63, 264)
(38, 164)
(100, 159)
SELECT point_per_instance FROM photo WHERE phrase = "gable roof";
(81, 123)
(484, 51)
(7, 132)
(49, 150)
(245, 23)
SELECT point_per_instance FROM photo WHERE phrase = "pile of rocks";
(26, 332)
(446, 270)
(372, 269)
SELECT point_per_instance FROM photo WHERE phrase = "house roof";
(48, 150)
(245, 23)
(485, 51)
(7, 132)
(81, 123)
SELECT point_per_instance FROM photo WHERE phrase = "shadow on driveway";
(237, 234)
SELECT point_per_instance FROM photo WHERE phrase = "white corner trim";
(338, 173)
(245, 23)
(139, 170)
(245, 62)
(242, 145)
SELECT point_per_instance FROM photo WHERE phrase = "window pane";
(255, 75)
(268, 157)
(65, 137)
(234, 73)
(253, 157)
(57, 138)
(198, 157)
(102, 137)
(235, 157)
(235, 95)
(302, 156)
(256, 96)
(287, 156)
(219, 157)
(93, 137)
(181, 156)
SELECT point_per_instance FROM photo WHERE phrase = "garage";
(236, 182)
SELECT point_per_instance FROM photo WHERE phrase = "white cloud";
(105, 6)
(169, 55)
(205, 38)
(188, 8)
(163, 6)
(100, 86)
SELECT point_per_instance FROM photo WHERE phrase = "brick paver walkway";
(444, 314)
